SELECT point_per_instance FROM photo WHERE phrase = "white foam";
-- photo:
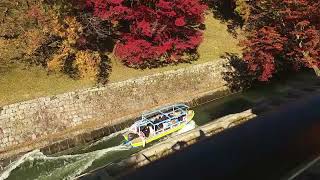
(88, 158)
(106, 138)
(97, 155)
(191, 125)
(7, 170)
(75, 169)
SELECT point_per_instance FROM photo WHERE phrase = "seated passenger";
(166, 125)
(177, 113)
(152, 131)
(146, 131)
(158, 127)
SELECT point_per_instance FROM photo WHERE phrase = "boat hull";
(142, 142)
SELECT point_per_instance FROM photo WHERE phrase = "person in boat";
(175, 121)
(176, 113)
(152, 132)
(133, 128)
(142, 135)
(145, 131)
(158, 127)
(157, 119)
(166, 125)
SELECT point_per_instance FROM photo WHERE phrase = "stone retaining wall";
(42, 118)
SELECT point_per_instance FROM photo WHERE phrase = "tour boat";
(157, 124)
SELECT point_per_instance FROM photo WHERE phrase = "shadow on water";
(260, 97)
(225, 106)
(265, 148)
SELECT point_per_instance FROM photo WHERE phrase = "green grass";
(18, 83)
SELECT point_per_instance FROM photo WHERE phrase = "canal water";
(268, 147)
(72, 163)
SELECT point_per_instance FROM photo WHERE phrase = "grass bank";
(19, 83)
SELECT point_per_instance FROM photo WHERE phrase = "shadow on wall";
(183, 144)
(105, 69)
(237, 75)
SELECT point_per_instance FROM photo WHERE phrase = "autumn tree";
(49, 34)
(282, 34)
(151, 33)
(242, 8)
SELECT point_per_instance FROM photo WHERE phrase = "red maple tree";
(282, 33)
(153, 31)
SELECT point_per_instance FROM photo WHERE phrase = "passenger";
(146, 131)
(177, 113)
(158, 118)
(152, 131)
(163, 118)
(166, 125)
(159, 127)
(141, 134)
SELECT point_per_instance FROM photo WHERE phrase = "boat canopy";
(163, 114)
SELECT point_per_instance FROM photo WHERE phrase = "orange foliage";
(48, 34)
(33, 38)
(87, 63)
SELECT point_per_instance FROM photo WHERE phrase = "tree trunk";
(316, 70)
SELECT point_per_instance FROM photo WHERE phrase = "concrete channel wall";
(42, 122)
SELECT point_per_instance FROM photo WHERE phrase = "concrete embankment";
(173, 144)
(92, 113)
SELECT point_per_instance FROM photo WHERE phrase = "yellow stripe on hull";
(142, 143)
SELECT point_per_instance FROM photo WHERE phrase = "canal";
(234, 158)
(265, 148)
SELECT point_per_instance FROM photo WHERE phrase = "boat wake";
(4, 174)
(36, 165)
(191, 125)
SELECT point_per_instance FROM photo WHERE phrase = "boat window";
(183, 108)
(166, 111)
(174, 122)
(158, 127)
(151, 116)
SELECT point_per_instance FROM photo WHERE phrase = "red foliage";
(156, 29)
(262, 47)
(281, 33)
(180, 21)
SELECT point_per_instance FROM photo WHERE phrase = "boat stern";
(190, 115)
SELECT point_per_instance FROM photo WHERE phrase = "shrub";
(282, 34)
(87, 63)
(152, 32)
